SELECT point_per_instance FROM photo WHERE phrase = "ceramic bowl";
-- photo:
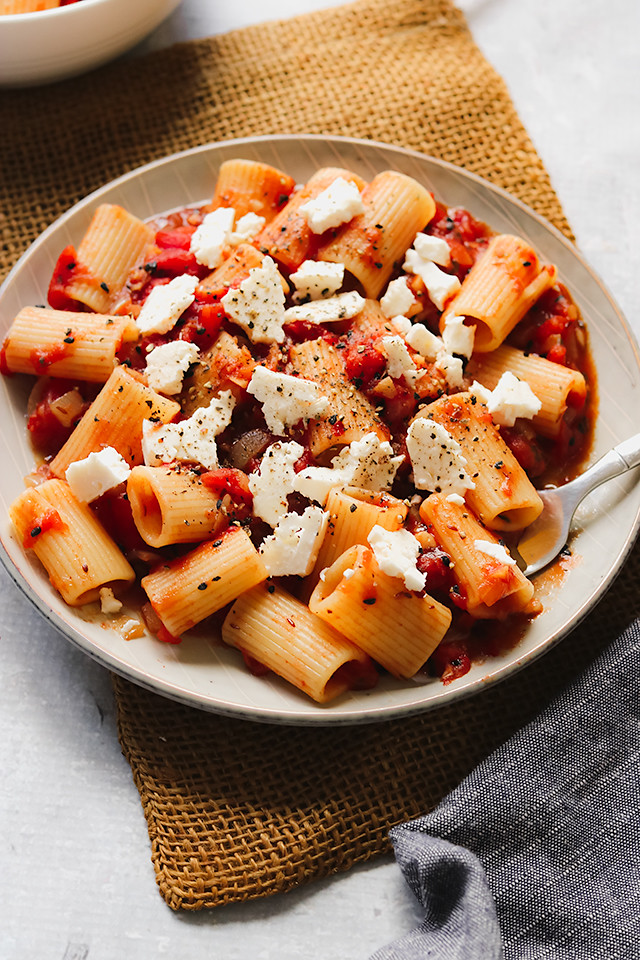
(39, 48)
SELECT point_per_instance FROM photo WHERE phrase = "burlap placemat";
(238, 810)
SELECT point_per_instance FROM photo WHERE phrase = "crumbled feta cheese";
(97, 473)
(452, 368)
(399, 362)
(347, 574)
(431, 248)
(511, 398)
(292, 549)
(109, 603)
(396, 552)
(494, 550)
(368, 463)
(257, 304)
(343, 306)
(166, 303)
(274, 480)
(211, 237)
(480, 392)
(167, 365)
(374, 464)
(437, 460)
(455, 498)
(433, 349)
(424, 342)
(398, 299)
(339, 203)
(402, 325)
(192, 439)
(286, 400)
(315, 280)
(440, 286)
(246, 228)
(316, 482)
(457, 337)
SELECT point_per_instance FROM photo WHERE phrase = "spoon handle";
(618, 460)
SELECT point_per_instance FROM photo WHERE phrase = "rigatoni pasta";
(276, 630)
(325, 481)
(78, 554)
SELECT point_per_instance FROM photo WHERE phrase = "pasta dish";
(308, 417)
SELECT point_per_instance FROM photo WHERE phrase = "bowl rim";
(67, 10)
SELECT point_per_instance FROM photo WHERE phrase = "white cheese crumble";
(398, 299)
(396, 552)
(431, 248)
(257, 304)
(452, 368)
(457, 337)
(494, 550)
(455, 498)
(343, 306)
(292, 549)
(402, 326)
(511, 398)
(480, 392)
(315, 280)
(94, 475)
(211, 237)
(166, 303)
(440, 286)
(339, 203)
(274, 481)
(167, 365)
(368, 463)
(424, 342)
(286, 400)
(109, 603)
(246, 228)
(436, 457)
(400, 363)
(192, 439)
(432, 348)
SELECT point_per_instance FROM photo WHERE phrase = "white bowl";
(201, 671)
(37, 48)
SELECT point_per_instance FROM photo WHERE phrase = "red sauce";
(47, 433)
(41, 358)
(43, 522)
(65, 272)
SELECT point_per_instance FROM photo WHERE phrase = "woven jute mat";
(238, 810)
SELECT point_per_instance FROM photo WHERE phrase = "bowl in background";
(38, 48)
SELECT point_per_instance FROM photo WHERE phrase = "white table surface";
(76, 879)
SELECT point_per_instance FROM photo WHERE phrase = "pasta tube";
(499, 289)
(112, 245)
(504, 498)
(185, 591)
(397, 207)
(59, 343)
(491, 583)
(115, 419)
(173, 506)
(76, 551)
(397, 628)
(278, 631)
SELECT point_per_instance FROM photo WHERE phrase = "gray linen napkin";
(536, 855)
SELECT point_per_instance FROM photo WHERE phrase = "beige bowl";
(38, 48)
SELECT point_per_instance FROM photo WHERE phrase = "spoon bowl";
(543, 540)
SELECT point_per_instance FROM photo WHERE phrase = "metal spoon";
(544, 539)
